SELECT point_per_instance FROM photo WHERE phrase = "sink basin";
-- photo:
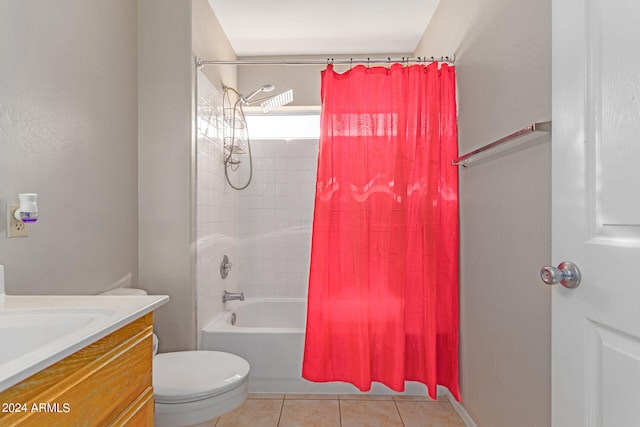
(23, 331)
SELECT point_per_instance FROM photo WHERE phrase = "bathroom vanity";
(76, 360)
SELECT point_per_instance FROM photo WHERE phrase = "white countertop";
(97, 317)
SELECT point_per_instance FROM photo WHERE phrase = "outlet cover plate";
(15, 228)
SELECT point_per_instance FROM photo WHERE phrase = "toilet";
(192, 388)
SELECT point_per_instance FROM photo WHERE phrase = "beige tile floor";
(333, 410)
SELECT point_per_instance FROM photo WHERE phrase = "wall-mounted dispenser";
(20, 216)
(28, 210)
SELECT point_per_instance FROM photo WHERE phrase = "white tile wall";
(266, 228)
(216, 208)
(276, 215)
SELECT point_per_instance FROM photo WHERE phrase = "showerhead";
(277, 101)
(264, 88)
(269, 103)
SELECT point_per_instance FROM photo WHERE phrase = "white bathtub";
(269, 334)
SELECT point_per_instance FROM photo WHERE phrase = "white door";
(596, 212)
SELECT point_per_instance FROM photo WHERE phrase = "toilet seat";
(187, 376)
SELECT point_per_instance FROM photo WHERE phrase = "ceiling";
(311, 27)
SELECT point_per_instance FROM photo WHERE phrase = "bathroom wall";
(71, 115)
(172, 33)
(264, 229)
(216, 206)
(68, 131)
(164, 167)
(276, 214)
(304, 79)
(503, 65)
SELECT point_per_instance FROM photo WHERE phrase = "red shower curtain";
(383, 285)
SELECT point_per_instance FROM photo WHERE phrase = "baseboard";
(466, 418)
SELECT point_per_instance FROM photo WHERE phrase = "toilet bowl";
(192, 388)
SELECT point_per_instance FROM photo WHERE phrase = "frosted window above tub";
(284, 125)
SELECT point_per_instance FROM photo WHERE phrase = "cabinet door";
(93, 386)
(139, 413)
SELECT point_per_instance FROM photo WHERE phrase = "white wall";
(264, 229)
(110, 157)
(216, 205)
(276, 213)
(503, 65)
(68, 131)
(172, 33)
(304, 79)
(164, 167)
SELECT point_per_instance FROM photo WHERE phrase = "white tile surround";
(276, 213)
(266, 228)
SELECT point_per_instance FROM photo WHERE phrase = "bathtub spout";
(230, 296)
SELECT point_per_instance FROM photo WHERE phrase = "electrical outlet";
(15, 228)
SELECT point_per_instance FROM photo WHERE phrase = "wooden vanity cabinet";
(106, 383)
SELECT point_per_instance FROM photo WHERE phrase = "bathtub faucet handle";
(225, 267)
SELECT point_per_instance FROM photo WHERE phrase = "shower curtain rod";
(322, 61)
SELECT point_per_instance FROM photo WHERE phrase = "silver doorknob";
(567, 274)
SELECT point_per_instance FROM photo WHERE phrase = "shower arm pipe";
(322, 61)
(233, 90)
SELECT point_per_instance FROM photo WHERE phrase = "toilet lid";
(185, 376)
